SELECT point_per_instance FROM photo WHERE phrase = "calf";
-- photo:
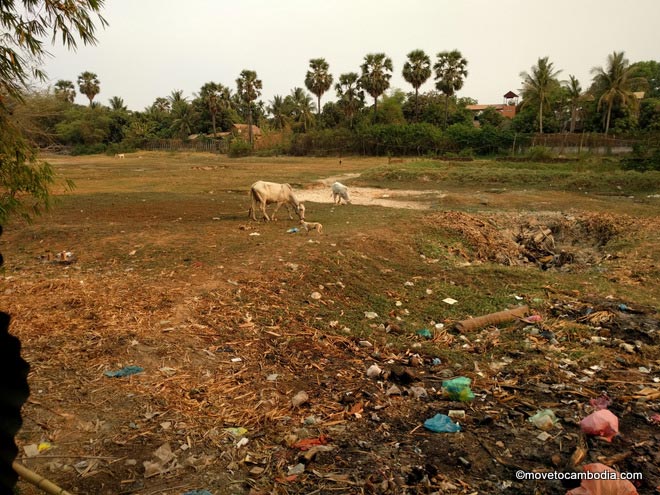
(339, 192)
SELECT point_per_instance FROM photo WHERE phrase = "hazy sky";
(152, 47)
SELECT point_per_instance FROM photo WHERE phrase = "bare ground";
(229, 326)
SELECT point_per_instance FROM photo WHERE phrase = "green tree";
(25, 26)
(301, 108)
(614, 83)
(417, 71)
(117, 104)
(248, 90)
(65, 90)
(376, 75)
(574, 93)
(539, 86)
(649, 70)
(162, 105)
(211, 96)
(280, 115)
(450, 73)
(176, 96)
(318, 80)
(183, 117)
(89, 85)
(351, 97)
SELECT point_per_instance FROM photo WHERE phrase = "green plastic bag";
(458, 389)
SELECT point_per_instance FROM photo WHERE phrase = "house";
(507, 108)
(243, 131)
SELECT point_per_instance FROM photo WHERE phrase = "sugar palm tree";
(376, 75)
(318, 80)
(574, 92)
(210, 95)
(614, 84)
(351, 97)
(248, 90)
(117, 103)
(416, 71)
(176, 96)
(539, 85)
(65, 90)
(89, 85)
(450, 73)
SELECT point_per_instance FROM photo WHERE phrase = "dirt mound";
(551, 240)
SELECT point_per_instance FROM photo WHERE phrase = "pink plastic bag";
(603, 487)
(601, 423)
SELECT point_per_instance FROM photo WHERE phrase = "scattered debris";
(441, 423)
(491, 319)
(126, 371)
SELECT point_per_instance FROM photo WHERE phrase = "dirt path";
(370, 196)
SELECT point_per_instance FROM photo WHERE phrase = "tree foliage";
(89, 85)
(614, 84)
(416, 71)
(318, 80)
(24, 181)
(376, 74)
(450, 73)
(539, 87)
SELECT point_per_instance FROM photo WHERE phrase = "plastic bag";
(603, 487)
(458, 389)
(441, 423)
(544, 420)
(602, 423)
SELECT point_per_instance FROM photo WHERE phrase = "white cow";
(264, 193)
(339, 192)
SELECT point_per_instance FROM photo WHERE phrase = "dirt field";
(151, 262)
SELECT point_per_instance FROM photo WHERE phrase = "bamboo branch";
(38, 480)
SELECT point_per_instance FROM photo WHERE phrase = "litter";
(492, 319)
(449, 300)
(126, 371)
(608, 486)
(198, 492)
(441, 423)
(601, 423)
(458, 389)
(426, 333)
(292, 230)
(544, 420)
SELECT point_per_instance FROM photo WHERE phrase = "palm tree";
(176, 96)
(89, 85)
(65, 90)
(450, 71)
(375, 78)
(117, 103)
(210, 95)
(278, 109)
(301, 107)
(574, 92)
(614, 84)
(351, 98)
(416, 71)
(318, 80)
(248, 90)
(182, 119)
(162, 105)
(539, 86)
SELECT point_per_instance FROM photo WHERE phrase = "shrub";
(239, 147)
(539, 153)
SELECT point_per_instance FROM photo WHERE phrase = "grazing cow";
(264, 193)
(339, 192)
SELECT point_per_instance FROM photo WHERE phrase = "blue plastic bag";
(441, 423)
(128, 370)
